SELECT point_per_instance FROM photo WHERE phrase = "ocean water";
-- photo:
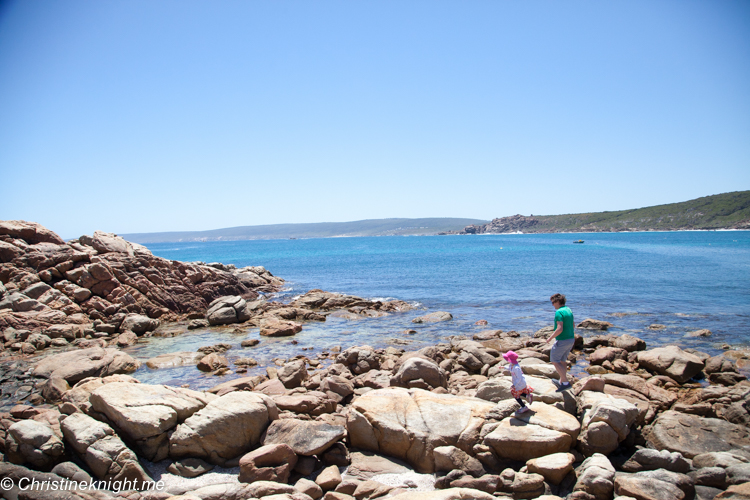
(683, 280)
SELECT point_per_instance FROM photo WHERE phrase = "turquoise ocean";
(683, 280)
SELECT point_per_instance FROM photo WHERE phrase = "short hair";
(558, 297)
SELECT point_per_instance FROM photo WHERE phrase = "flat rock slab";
(518, 440)
(74, 366)
(692, 435)
(366, 465)
(553, 467)
(305, 437)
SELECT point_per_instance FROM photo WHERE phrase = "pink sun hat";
(511, 357)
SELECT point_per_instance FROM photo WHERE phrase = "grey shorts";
(560, 350)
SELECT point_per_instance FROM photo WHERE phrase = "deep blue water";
(684, 280)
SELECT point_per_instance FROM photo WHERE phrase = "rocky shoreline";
(358, 423)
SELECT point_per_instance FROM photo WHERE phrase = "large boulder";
(692, 435)
(138, 324)
(661, 398)
(273, 462)
(606, 422)
(226, 310)
(448, 458)
(596, 477)
(542, 431)
(553, 467)
(146, 413)
(102, 450)
(420, 373)
(654, 485)
(31, 232)
(305, 437)
(410, 424)
(648, 459)
(292, 374)
(32, 442)
(92, 362)
(671, 361)
(108, 242)
(225, 428)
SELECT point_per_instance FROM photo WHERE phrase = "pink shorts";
(517, 394)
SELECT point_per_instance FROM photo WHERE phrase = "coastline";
(320, 410)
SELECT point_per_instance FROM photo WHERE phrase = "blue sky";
(140, 116)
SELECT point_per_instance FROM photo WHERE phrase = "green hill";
(373, 227)
(721, 211)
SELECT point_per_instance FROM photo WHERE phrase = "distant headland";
(721, 211)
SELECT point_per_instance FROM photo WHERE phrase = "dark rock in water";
(249, 342)
(212, 362)
(218, 348)
(271, 327)
(434, 317)
(197, 323)
(595, 324)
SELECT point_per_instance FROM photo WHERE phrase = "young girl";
(520, 387)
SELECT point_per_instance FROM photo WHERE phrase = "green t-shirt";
(565, 315)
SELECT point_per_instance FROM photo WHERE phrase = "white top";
(519, 381)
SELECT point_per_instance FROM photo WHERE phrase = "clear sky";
(141, 116)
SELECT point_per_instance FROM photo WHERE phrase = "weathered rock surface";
(420, 373)
(410, 424)
(606, 422)
(73, 366)
(596, 477)
(34, 443)
(654, 485)
(225, 428)
(101, 449)
(692, 435)
(305, 437)
(448, 458)
(553, 467)
(595, 324)
(648, 459)
(226, 310)
(272, 462)
(145, 413)
(103, 278)
(546, 430)
(671, 361)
